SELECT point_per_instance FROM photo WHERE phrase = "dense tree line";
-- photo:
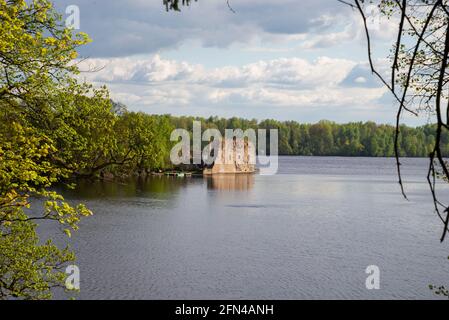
(327, 138)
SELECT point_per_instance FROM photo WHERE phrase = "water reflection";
(231, 182)
(140, 187)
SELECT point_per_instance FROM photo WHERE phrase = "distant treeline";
(326, 138)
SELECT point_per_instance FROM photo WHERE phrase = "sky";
(281, 59)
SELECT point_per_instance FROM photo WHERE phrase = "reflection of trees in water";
(130, 188)
(230, 182)
(154, 186)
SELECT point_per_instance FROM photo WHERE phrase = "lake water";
(308, 232)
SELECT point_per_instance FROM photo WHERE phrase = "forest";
(326, 138)
(112, 141)
(94, 137)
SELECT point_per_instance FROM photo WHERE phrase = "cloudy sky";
(282, 59)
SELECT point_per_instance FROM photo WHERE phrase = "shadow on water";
(134, 187)
(155, 186)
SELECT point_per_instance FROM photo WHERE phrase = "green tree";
(36, 52)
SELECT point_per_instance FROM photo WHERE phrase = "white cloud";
(160, 85)
(153, 69)
(297, 72)
(341, 29)
(135, 35)
(360, 80)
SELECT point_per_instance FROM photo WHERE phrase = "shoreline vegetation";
(146, 145)
(138, 144)
(327, 138)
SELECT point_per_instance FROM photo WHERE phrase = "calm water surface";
(307, 233)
